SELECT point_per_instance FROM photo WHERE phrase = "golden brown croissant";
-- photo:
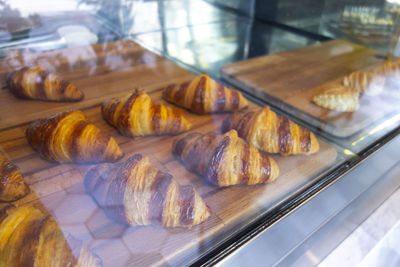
(273, 133)
(37, 83)
(12, 185)
(137, 193)
(365, 82)
(204, 95)
(31, 238)
(68, 137)
(336, 96)
(137, 115)
(390, 68)
(225, 160)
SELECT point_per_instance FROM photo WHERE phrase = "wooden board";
(59, 188)
(101, 71)
(288, 79)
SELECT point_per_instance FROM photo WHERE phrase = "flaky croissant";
(137, 115)
(365, 82)
(138, 193)
(336, 96)
(204, 95)
(68, 137)
(390, 68)
(12, 185)
(273, 133)
(225, 160)
(30, 238)
(38, 83)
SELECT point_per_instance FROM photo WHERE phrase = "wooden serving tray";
(288, 80)
(101, 71)
(59, 187)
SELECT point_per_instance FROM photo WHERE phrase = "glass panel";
(210, 46)
(159, 198)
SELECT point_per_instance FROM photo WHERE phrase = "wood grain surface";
(101, 71)
(59, 187)
(288, 81)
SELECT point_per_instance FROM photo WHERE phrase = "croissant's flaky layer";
(138, 193)
(389, 69)
(204, 95)
(137, 115)
(273, 133)
(225, 160)
(68, 137)
(344, 94)
(12, 185)
(37, 83)
(337, 97)
(30, 238)
(365, 82)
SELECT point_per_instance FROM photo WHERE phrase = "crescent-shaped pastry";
(137, 193)
(336, 96)
(31, 238)
(272, 133)
(225, 160)
(37, 83)
(12, 185)
(204, 95)
(68, 137)
(137, 115)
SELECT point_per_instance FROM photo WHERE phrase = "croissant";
(204, 95)
(365, 82)
(336, 96)
(390, 69)
(137, 193)
(68, 137)
(225, 160)
(137, 115)
(30, 238)
(273, 133)
(37, 83)
(12, 185)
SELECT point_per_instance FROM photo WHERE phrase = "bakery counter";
(148, 150)
(218, 184)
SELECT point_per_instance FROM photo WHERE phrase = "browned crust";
(213, 159)
(108, 185)
(15, 83)
(244, 124)
(12, 185)
(159, 192)
(221, 98)
(119, 111)
(39, 135)
(213, 170)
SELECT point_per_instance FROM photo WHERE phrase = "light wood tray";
(59, 187)
(288, 80)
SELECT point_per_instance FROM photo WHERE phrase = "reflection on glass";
(210, 46)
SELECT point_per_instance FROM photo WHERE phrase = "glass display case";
(189, 132)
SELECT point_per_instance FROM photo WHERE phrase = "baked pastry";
(30, 238)
(336, 96)
(38, 83)
(272, 133)
(137, 115)
(390, 68)
(225, 160)
(12, 185)
(365, 82)
(138, 193)
(204, 95)
(68, 137)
